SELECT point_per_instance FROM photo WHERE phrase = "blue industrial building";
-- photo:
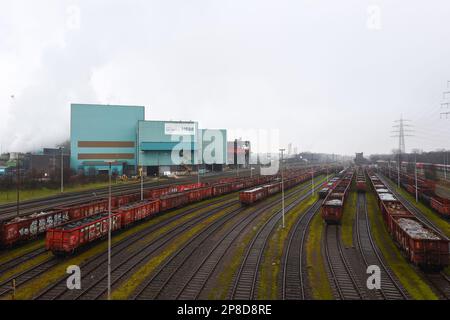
(101, 134)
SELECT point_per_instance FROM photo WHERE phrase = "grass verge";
(10, 196)
(317, 275)
(348, 219)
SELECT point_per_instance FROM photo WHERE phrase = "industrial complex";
(119, 135)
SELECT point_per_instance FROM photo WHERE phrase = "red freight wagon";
(273, 188)
(138, 211)
(86, 209)
(360, 184)
(199, 194)
(332, 208)
(422, 245)
(122, 200)
(69, 237)
(174, 200)
(185, 187)
(441, 205)
(157, 193)
(28, 227)
(391, 210)
(237, 185)
(252, 195)
(220, 189)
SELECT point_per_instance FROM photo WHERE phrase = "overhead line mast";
(400, 128)
(444, 95)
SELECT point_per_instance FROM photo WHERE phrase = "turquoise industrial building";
(119, 135)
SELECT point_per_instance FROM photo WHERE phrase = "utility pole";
(447, 104)
(18, 182)
(445, 164)
(62, 170)
(415, 175)
(142, 183)
(109, 233)
(282, 186)
(399, 129)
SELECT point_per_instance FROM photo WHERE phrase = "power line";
(447, 104)
(400, 128)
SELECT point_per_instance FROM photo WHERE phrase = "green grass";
(271, 264)
(10, 196)
(405, 272)
(20, 250)
(317, 275)
(348, 219)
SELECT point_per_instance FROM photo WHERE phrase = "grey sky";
(313, 69)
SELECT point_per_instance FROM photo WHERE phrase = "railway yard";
(335, 230)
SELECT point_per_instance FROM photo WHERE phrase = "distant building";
(120, 134)
(359, 158)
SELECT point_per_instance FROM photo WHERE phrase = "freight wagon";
(425, 191)
(253, 195)
(25, 228)
(441, 205)
(324, 192)
(69, 237)
(360, 181)
(421, 245)
(333, 206)
(28, 227)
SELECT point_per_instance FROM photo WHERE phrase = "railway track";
(8, 211)
(11, 264)
(246, 280)
(438, 280)
(441, 283)
(184, 278)
(340, 273)
(27, 275)
(94, 270)
(391, 289)
(294, 273)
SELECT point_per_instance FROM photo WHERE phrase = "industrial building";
(120, 135)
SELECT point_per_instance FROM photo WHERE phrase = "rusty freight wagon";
(28, 227)
(423, 246)
(69, 237)
(253, 195)
(361, 181)
(138, 211)
(441, 205)
(174, 200)
(333, 205)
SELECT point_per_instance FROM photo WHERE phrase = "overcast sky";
(332, 76)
